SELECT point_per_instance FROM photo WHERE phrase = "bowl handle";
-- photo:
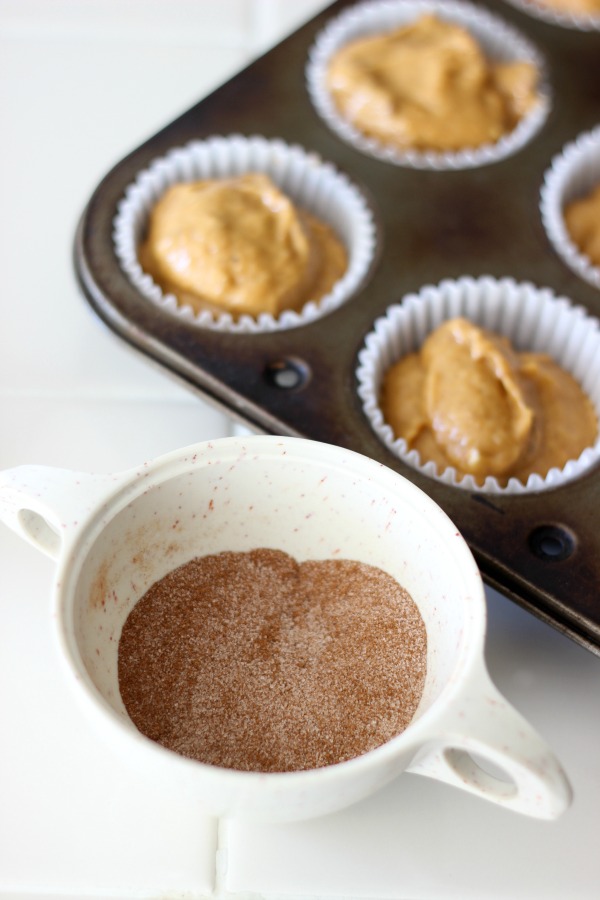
(46, 505)
(486, 747)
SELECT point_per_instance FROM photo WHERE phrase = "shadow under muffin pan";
(541, 549)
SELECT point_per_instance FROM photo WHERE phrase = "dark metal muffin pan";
(540, 549)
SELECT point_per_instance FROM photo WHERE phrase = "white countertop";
(82, 82)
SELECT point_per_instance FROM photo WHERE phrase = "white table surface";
(81, 83)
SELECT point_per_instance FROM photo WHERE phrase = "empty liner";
(311, 183)
(499, 41)
(532, 318)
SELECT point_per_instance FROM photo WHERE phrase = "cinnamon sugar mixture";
(253, 661)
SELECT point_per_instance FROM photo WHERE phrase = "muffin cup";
(572, 174)
(315, 185)
(561, 18)
(499, 42)
(532, 318)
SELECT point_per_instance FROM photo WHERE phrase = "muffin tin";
(542, 549)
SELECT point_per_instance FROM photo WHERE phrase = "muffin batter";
(239, 245)
(470, 401)
(428, 86)
(578, 7)
(582, 218)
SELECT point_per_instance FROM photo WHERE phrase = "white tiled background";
(81, 83)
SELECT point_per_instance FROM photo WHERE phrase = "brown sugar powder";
(256, 662)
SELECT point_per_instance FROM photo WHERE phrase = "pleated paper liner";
(562, 18)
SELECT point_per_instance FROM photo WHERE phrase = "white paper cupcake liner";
(499, 41)
(562, 19)
(311, 183)
(572, 174)
(531, 318)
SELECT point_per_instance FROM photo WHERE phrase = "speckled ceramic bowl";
(114, 536)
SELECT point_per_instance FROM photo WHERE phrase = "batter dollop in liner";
(572, 175)
(310, 183)
(533, 319)
(500, 45)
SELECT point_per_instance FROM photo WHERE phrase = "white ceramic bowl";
(114, 535)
